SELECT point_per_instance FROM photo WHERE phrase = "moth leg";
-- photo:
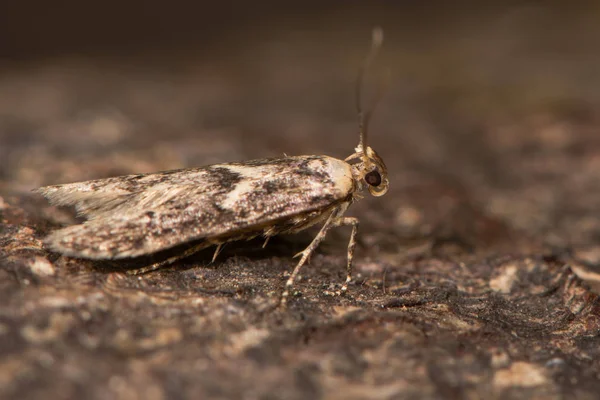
(334, 219)
(170, 260)
(351, 246)
(217, 251)
(266, 241)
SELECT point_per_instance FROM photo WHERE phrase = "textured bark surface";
(475, 276)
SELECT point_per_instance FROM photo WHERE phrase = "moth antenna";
(363, 118)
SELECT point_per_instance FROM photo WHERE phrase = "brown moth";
(136, 215)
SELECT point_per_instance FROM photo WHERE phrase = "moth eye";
(373, 178)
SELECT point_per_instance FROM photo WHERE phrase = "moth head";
(370, 169)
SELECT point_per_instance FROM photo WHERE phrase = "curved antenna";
(363, 119)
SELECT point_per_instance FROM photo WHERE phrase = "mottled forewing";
(141, 214)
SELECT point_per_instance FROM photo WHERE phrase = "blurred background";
(491, 108)
(463, 283)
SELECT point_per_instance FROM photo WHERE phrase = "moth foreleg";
(335, 219)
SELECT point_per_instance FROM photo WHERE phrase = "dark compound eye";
(373, 178)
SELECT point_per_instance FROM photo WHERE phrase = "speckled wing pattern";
(135, 215)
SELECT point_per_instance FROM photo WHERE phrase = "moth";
(137, 215)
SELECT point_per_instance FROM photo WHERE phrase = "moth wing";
(95, 198)
(155, 212)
